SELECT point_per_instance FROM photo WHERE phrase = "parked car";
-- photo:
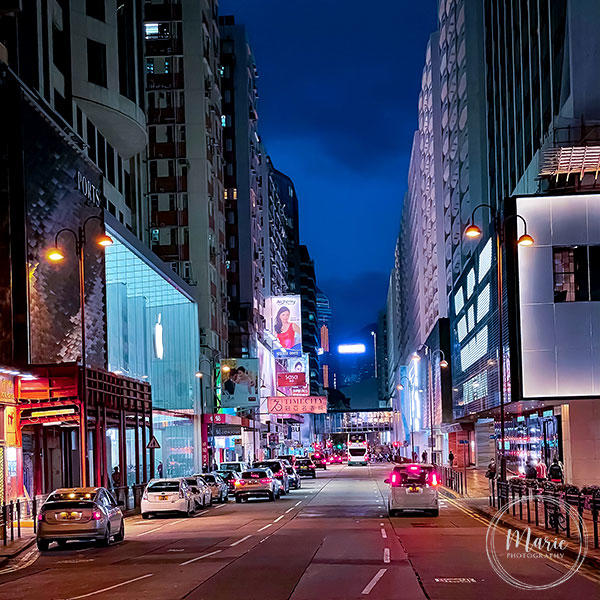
(89, 513)
(413, 486)
(236, 465)
(279, 472)
(291, 458)
(167, 495)
(218, 488)
(200, 490)
(306, 468)
(229, 478)
(294, 478)
(257, 483)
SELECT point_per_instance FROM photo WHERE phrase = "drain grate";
(455, 580)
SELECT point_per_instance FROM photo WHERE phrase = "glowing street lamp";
(55, 254)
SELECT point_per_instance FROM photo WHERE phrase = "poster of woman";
(286, 367)
(285, 325)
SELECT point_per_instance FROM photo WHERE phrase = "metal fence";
(19, 514)
(453, 479)
(529, 505)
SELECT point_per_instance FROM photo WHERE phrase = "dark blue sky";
(339, 83)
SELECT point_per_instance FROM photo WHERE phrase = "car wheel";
(62, 543)
(314, 475)
(435, 512)
(119, 537)
(190, 511)
(105, 541)
(145, 515)
(238, 499)
(271, 497)
(42, 545)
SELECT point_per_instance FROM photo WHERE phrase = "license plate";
(73, 516)
(414, 490)
(163, 497)
(252, 482)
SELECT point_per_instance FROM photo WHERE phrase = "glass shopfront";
(153, 336)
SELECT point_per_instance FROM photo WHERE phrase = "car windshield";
(413, 476)
(231, 465)
(227, 475)
(72, 496)
(274, 466)
(253, 474)
(164, 486)
(209, 478)
(191, 481)
(357, 451)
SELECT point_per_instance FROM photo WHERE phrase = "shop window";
(96, 60)
(570, 274)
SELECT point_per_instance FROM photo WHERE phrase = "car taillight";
(96, 515)
(280, 473)
(266, 480)
(395, 480)
(145, 495)
(40, 516)
(433, 480)
(240, 482)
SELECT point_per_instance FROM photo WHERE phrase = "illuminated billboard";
(284, 325)
(239, 383)
(295, 405)
(352, 349)
(293, 376)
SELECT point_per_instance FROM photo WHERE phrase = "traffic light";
(339, 446)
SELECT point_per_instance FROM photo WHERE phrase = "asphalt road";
(330, 540)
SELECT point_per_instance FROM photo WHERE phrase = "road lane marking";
(386, 555)
(220, 506)
(289, 510)
(265, 527)
(298, 503)
(187, 562)
(240, 541)
(202, 513)
(112, 587)
(374, 581)
(151, 530)
(278, 519)
(383, 533)
(176, 550)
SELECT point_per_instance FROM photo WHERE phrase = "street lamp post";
(473, 231)
(374, 334)
(55, 255)
(400, 387)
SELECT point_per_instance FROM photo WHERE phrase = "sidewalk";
(477, 499)
(19, 544)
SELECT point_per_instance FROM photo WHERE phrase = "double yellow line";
(586, 570)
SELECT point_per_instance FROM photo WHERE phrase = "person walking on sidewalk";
(541, 470)
(450, 458)
(491, 470)
(555, 472)
(424, 456)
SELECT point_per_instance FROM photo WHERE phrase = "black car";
(306, 468)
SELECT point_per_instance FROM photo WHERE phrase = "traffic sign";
(463, 441)
(153, 444)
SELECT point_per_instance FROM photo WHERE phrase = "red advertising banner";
(297, 404)
(290, 379)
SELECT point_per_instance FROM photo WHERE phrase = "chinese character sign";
(297, 404)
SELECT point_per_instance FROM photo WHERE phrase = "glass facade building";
(152, 331)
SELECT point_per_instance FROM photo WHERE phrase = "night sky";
(339, 84)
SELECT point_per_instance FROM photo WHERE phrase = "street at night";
(330, 539)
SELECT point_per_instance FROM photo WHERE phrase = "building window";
(571, 274)
(96, 59)
(95, 9)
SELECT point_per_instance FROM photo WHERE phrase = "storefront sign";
(228, 430)
(290, 379)
(297, 404)
(88, 190)
(7, 389)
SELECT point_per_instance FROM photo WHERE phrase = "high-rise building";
(185, 163)
(246, 188)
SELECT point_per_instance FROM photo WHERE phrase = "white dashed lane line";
(187, 562)
(386, 555)
(265, 527)
(374, 581)
(240, 541)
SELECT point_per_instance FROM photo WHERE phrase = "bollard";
(521, 503)
(535, 504)
(34, 513)
(12, 518)
(18, 519)
(4, 524)
(528, 507)
(595, 502)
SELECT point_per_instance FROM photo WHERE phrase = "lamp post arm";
(67, 230)
(484, 205)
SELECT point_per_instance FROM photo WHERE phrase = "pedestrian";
(451, 458)
(414, 456)
(491, 470)
(555, 472)
(530, 470)
(116, 477)
(159, 469)
(424, 456)
(541, 470)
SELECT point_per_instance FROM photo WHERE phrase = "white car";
(201, 491)
(235, 465)
(167, 495)
(413, 486)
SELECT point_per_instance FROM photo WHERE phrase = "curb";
(591, 560)
(7, 554)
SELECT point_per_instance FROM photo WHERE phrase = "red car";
(320, 460)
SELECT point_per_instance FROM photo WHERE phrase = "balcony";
(162, 12)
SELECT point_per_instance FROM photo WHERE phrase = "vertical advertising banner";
(239, 383)
(284, 325)
(293, 376)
